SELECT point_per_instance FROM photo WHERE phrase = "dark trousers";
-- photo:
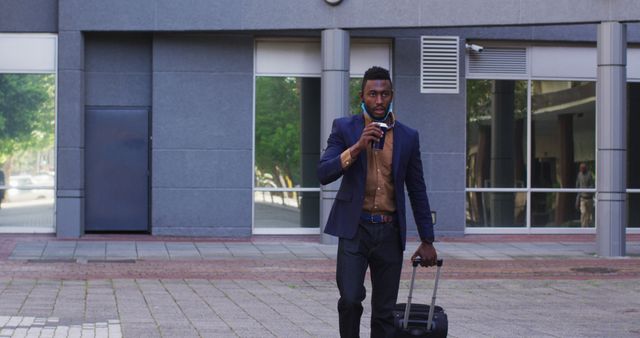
(376, 246)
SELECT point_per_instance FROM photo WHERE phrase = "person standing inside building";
(584, 200)
(2, 190)
(368, 214)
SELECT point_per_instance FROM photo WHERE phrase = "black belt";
(376, 218)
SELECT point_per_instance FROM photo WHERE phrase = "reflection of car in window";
(25, 188)
(17, 181)
(43, 180)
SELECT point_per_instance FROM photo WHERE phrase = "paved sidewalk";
(272, 308)
(144, 286)
(113, 250)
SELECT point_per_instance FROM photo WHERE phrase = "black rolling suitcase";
(421, 320)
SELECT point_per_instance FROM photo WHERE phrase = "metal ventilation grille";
(439, 65)
(498, 61)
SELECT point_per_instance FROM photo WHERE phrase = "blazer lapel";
(398, 138)
(357, 128)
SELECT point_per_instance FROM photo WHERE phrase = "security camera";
(473, 47)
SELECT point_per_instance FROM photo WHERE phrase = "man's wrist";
(354, 151)
(427, 241)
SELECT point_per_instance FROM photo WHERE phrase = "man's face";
(377, 96)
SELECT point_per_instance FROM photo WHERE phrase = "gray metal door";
(117, 170)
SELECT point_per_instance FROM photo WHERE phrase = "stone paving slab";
(29, 250)
(152, 250)
(243, 250)
(91, 250)
(55, 249)
(121, 249)
(186, 250)
(213, 250)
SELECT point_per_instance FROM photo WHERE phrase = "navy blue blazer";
(406, 169)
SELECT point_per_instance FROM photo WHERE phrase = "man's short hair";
(375, 73)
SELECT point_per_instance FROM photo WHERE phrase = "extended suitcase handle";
(407, 310)
(416, 261)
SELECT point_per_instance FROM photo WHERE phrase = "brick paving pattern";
(18, 326)
(244, 308)
(137, 286)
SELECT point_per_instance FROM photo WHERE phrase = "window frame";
(528, 228)
(53, 69)
(304, 73)
(529, 190)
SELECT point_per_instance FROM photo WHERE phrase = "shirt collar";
(390, 121)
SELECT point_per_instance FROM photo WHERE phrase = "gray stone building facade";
(177, 85)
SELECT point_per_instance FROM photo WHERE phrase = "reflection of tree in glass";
(478, 100)
(278, 128)
(480, 95)
(520, 98)
(355, 84)
(27, 115)
(278, 131)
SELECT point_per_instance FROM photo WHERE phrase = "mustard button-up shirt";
(379, 196)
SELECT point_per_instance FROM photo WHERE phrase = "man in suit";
(368, 214)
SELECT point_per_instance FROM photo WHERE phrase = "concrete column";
(334, 103)
(565, 207)
(69, 218)
(309, 149)
(633, 165)
(611, 166)
(502, 152)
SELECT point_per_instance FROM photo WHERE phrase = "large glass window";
(563, 152)
(542, 179)
(287, 150)
(496, 152)
(496, 133)
(27, 168)
(562, 133)
(496, 209)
